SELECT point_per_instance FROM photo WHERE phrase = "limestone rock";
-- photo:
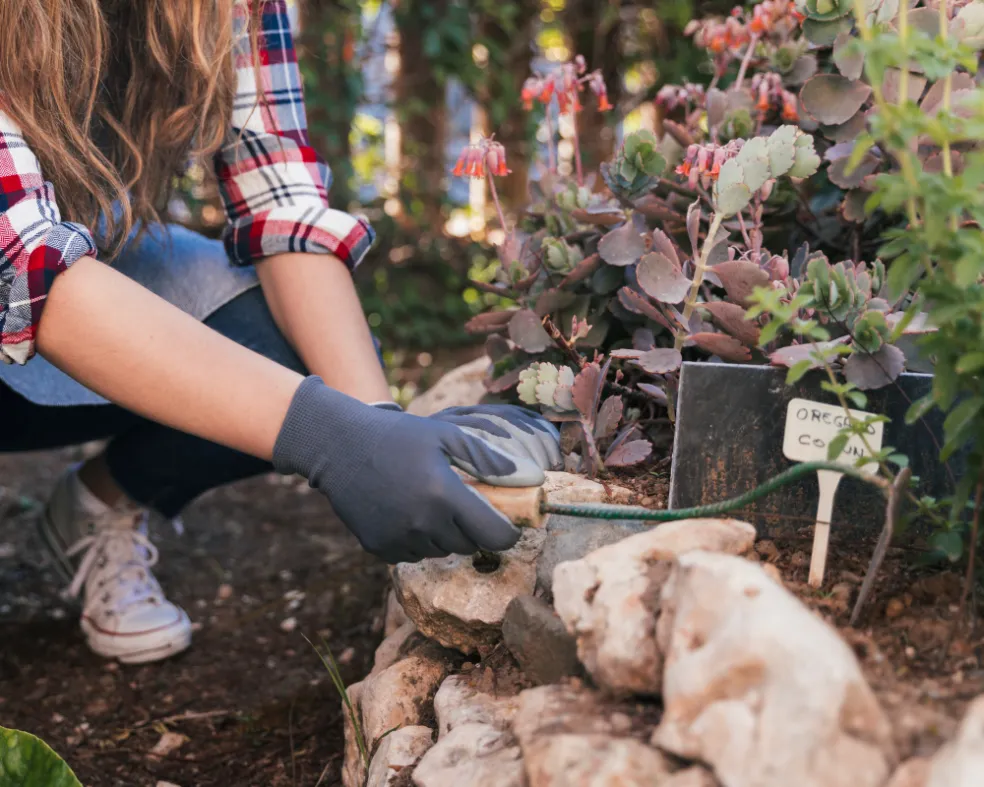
(573, 488)
(395, 617)
(353, 766)
(461, 387)
(610, 599)
(566, 708)
(457, 702)
(960, 763)
(592, 761)
(472, 754)
(911, 773)
(691, 777)
(758, 687)
(399, 696)
(459, 606)
(400, 749)
(571, 538)
(388, 652)
(536, 637)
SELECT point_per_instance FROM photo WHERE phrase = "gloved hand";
(388, 475)
(516, 431)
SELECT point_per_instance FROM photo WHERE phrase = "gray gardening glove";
(517, 431)
(388, 475)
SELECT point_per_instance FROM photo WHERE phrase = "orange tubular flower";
(604, 105)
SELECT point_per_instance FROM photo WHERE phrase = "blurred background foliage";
(396, 88)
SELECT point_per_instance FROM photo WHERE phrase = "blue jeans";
(156, 466)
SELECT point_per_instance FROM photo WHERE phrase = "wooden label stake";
(810, 427)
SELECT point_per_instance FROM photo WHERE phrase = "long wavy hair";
(115, 96)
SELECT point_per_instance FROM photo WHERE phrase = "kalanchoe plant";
(656, 261)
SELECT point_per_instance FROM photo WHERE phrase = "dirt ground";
(261, 564)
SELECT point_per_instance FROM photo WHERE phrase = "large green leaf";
(27, 761)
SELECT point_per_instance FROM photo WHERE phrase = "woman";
(199, 371)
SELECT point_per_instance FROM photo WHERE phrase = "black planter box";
(730, 423)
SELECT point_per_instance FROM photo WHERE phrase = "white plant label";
(810, 428)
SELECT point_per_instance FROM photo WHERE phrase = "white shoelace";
(118, 561)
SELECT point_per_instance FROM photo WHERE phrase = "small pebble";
(894, 608)
(286, 576)
(621, 722)
(767, 549)
(57, 718)
(197, 626)
(910, 652)
(288, 624)
(347, 656)
(646, 502)
(7, 550)
(467, 667)
(58, 613)
(799, 559)
(224, 593)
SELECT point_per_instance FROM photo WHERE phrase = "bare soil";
(264, 563)
(251, 695)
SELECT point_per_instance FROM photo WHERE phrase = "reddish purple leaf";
(661, 360)
(606, 217)
(582, 270)
(731, 318)
(622, 246)
(740, 278)
(631, 453)
(553, 299)
(876, 370)
(609, 416)
(637, 303)
(526, 330)
(654, 391)
(662, 279)
(693, 226)
(490, 322)
(719, 344)
(792, 355)
(626, 354)
(665, 246)
(583, 391)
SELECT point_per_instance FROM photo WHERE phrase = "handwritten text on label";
(811, 426)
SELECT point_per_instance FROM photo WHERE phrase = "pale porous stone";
(593, 761)
(564, 488)
(451, 602)
(353, 767)
(461, 387)
(395, 616)
(388, 652)
(960, 763)
(610, 599)
(472, 754)
(399, 696)
(571, 737)
(457, 702)
(398, 750)
(691, 777)
(911, 773)
(758, 687)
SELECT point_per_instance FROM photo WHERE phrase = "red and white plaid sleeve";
(35, 244)
(274, 185)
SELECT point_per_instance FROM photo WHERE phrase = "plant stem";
(495, 199)
(745, 61)
(705, 254)
(972, 552)
(577, 145)
(947, 103)
(551, 154)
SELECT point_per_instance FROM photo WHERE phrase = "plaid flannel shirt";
(273, 185)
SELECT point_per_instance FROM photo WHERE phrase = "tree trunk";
(420, 105)
(329, 31)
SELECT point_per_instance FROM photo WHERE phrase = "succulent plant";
(548, 386)
(637, 166)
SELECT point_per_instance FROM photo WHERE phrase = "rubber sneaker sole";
(140, 647)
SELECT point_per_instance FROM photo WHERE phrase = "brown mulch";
(251, 695)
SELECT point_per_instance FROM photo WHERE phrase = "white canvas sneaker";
(106, 556)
